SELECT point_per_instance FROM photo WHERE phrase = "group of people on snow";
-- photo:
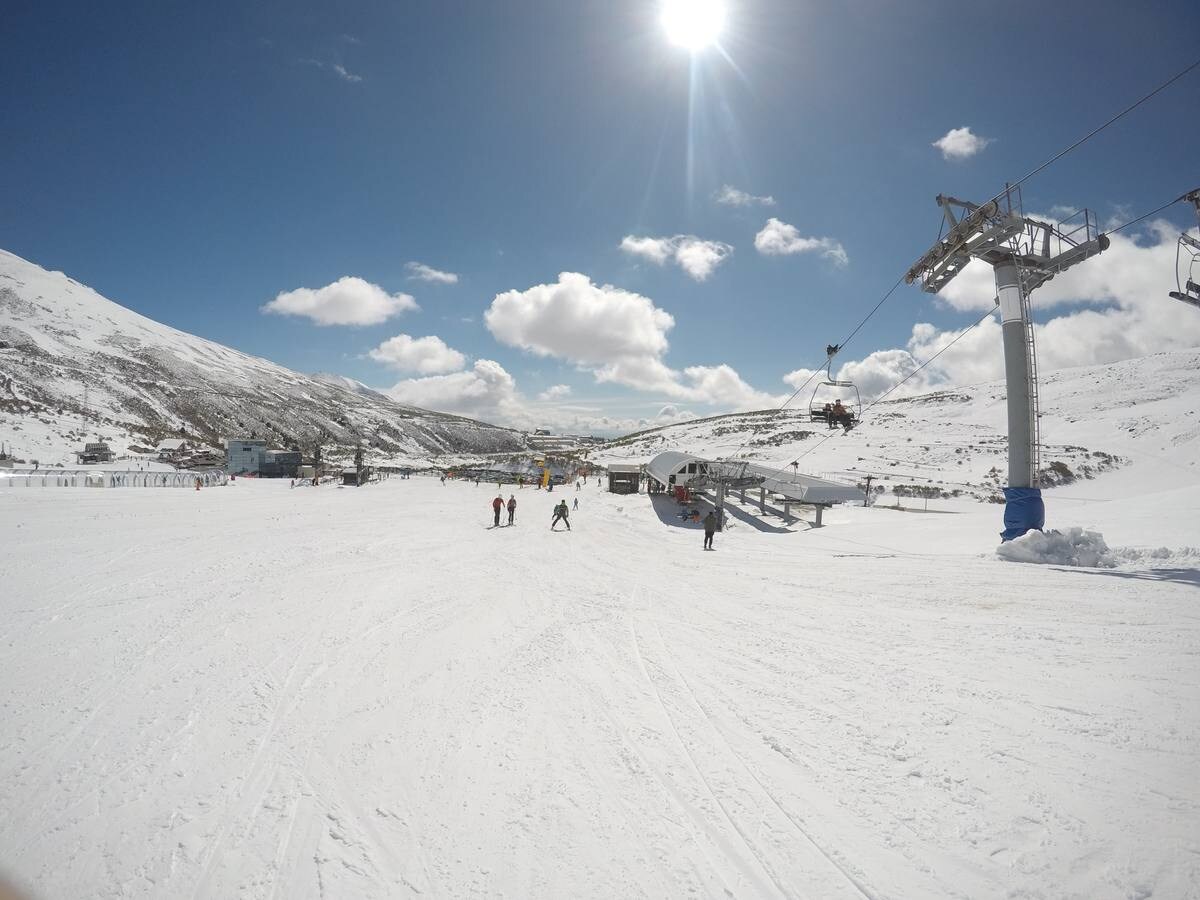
(561, 511)
(498, 504)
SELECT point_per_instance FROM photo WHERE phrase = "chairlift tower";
(1024, 254)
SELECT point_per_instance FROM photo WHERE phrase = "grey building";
(281, 464)
(244, 455)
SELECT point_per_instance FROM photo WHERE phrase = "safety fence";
(111, 479)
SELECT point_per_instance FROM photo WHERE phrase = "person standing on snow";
(497, 505)
(560, 512)
(710, 528)
(512, 507)
(575, 505)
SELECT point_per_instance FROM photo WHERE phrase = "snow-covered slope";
(74, 364)
(1096, 421)
(251, 691)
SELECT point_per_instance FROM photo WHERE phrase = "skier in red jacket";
(497, 505)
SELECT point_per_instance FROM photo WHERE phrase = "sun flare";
(693, 24)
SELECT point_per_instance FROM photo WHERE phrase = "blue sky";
(195, 161)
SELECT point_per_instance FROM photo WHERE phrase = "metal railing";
(52, 477)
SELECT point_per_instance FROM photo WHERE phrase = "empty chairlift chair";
(1188, 288)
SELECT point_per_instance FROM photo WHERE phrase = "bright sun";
(693, 24)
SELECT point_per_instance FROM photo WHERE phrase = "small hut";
(624, 478)
(97, 452)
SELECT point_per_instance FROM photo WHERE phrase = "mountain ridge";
(76, 365)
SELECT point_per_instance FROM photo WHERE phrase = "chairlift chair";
(1188, 287)
(853, 406)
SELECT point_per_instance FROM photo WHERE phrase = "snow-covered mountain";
(74, 365)
(1095, 420)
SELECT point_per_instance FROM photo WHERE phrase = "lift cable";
(1152, 212)
(878, 399)
(1091, 134)
(818, 370)
(963, 333)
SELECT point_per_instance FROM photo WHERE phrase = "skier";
(575, 505)
(512, 507)
(710, 527)
(560, 512)
(497, 505)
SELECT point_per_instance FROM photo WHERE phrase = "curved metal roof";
(807, 488)
(669, 463)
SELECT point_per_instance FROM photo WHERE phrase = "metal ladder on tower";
(1031, 376)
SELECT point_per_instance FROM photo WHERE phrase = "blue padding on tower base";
(1023, 511)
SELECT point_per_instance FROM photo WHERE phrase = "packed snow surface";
(258, 691)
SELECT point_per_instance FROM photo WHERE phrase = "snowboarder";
(710, 528)
(560, 512)
(512, 507)
(497, 505)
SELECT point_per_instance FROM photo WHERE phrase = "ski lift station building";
(672, 469)
(675, 471)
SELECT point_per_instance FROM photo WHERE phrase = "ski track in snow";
(260, 692)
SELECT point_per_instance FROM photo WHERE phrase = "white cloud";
(697, 257)
(800, 378)
(657, 250)
(1125, 274)
(348, 301)
(722, 386)
(422, 272)
(960, 143)
(555, 392)
(577, 320)
(620, 336)
(426, 355)
(731, 196)
(485, 391)
(781, 239)
(489, 393)
(1122, 312)
(336, 68)
(719, 386)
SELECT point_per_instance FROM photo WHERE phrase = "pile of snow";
(1074, 547)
